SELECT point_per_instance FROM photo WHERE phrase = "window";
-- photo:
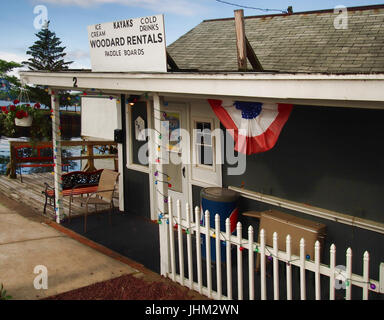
(203, 143)
(138, 117)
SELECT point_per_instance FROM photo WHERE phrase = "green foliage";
(3, 294)
(38, 93)
(5, 68)
(46, 52)
(41, 124)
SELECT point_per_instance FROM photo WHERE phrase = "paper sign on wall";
(129, 45)
(140, 129)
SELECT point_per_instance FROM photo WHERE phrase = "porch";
(30, 190)
(141, 244)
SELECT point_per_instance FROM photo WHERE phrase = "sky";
(69, 19)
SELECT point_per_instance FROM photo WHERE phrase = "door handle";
(183, 172)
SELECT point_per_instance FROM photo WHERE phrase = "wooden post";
(90, 166)
(159, 196)
(119, 161)
(11, 168)
(240, 40)
(56, 144)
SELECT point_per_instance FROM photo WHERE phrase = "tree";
(5, 68)
(46, 52)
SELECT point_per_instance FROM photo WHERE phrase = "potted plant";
(21, 114)
(19, 117)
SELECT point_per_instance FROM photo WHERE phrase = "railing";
(338, 277)
(90, 157)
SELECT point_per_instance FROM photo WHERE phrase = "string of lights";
(270, 255)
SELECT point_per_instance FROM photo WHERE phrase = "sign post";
(132, 45)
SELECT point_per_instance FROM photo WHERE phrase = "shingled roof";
(299, 42)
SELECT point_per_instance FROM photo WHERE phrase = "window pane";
(203, 133)
(205, 155)
(204, 143)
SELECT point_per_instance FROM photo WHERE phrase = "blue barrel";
(220, 201)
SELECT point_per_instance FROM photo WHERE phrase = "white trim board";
(314, 211)
(318, 89)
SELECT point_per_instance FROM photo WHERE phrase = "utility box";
(286, 224)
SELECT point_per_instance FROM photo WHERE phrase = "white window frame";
(195, 154)
(129, 136)
(201, 175)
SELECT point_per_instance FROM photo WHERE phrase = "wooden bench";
(25, 159)
(74, 183)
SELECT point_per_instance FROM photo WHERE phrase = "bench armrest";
(47, 187)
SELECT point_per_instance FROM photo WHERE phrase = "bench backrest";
(74, 178)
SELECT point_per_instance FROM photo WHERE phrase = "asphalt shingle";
(306, 42)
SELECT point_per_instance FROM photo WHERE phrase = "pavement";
(27, 241)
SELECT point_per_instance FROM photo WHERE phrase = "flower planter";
(24, 122)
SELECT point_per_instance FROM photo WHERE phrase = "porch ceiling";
(349, 90)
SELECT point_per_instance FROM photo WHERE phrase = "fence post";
(251, 264)
(303, 294)
(275, 267)
(198, 249)
(189, 246)
(171, 239)
(348, 291)
(218, 256)
(164, 248)
(289, 268)
(180, 242)
(263, 287)
(208, 253)
(366, 275)
(332, 253)
(239, 262)
(229, 258)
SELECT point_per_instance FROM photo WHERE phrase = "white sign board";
(98, 117)
(129, 45)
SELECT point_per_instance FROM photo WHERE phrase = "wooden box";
(282, 223)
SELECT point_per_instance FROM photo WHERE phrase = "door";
(176, 168)
(179, 154)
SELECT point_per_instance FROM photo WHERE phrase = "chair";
(103, 195)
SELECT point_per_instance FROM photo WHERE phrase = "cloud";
(181, 7)
(77, 54)
(80, 58)
(10, 56)
(15, 57)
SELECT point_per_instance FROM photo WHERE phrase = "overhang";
(347, 90)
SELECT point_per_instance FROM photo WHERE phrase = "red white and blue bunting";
(254, 126)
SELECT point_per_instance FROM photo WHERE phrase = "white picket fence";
(168, 223)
